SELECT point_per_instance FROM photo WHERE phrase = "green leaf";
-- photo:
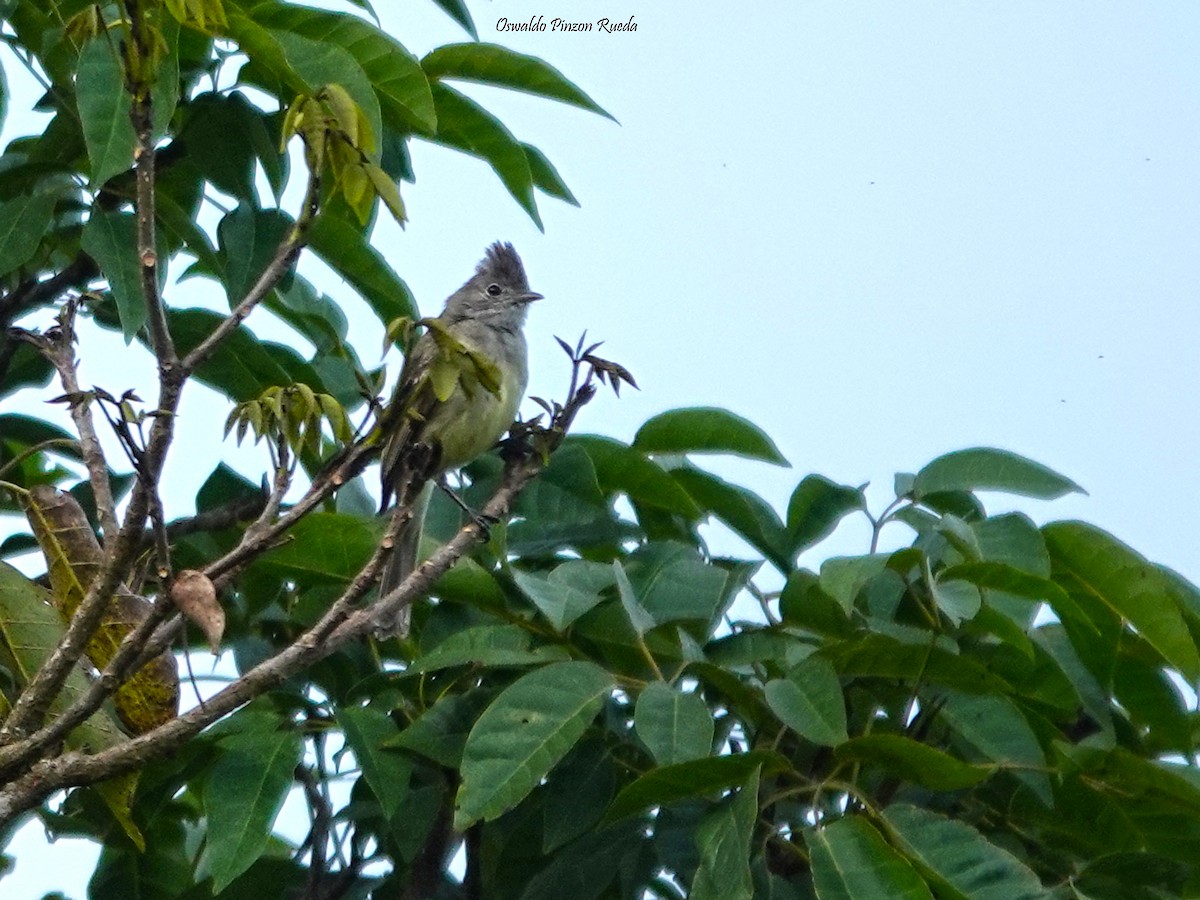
(570, 590)
(224, 135)
(392, 72)
(959, 861)
(809, 701)
(584, 869)
(110, 238)
(249, 239)
(243, 793)
(457, 10)
(104, 110)
(703, 429)
(622, 469)
(1097, 568)
(987, 469)
(723, 840)
(347, 251)
(913, 761)
(640, 620)
(742, 510)
(165, 91)
(545, 177)
(367, 731)
(842, 577)
(242, 366)
(958, 599)
(523, 733)
(579, 791)
(499, 66)
(676, 725)
(1013, 539)
(321, 62)
(467, 126)
(995, 727)
(24, 221)
(440, 733)
(883, 656)
(816, 507)
(674, 584)
(486, 645)
(851, 861)
(698, 778)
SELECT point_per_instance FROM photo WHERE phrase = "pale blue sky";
(881, 231)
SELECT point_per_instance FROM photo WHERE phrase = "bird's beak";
(529, 297)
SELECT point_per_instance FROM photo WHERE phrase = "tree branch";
(324, 638)
(57, 347)
(284, 257)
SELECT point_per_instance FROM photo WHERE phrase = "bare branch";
(143, 154)
(333, 631)
(57, 347)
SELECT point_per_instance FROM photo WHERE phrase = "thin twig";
(284, 257)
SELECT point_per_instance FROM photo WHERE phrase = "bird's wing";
(406, 460)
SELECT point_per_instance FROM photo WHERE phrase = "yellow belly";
(468, 426)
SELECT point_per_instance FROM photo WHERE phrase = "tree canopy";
(591, 703)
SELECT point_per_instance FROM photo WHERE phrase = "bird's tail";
(401, 564)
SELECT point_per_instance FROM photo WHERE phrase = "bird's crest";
(502, 264)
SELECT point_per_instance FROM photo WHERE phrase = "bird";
(457, 394)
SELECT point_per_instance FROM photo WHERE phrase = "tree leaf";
(578, 792)
(809, 701)
(545, 177)
(987, 469)
(467, 126)
(842, 577)
(706, 430)
(324, 548)
(851, 861)
(150, 696)
(440, 733)
(697, 778)
(110, 238)
(393, 73)
(622, 469)
(914, 761)
(640, 620)
(1097, 568)
(346, 250)
(723, 839)
(242, 366)
(958, 860)
(244, 790)
(994, 726)
(570, 590)
(523, 733)
(676, 725)
(742, 510)
(104, 110)
(457, 10)
(495, 646)
(816, 507)
(368, 730)
(499, 66)
(24, 221)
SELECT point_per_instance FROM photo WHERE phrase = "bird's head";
(498, 293)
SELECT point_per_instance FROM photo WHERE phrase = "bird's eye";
(494, 290)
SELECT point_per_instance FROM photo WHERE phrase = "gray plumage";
(425, 436)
